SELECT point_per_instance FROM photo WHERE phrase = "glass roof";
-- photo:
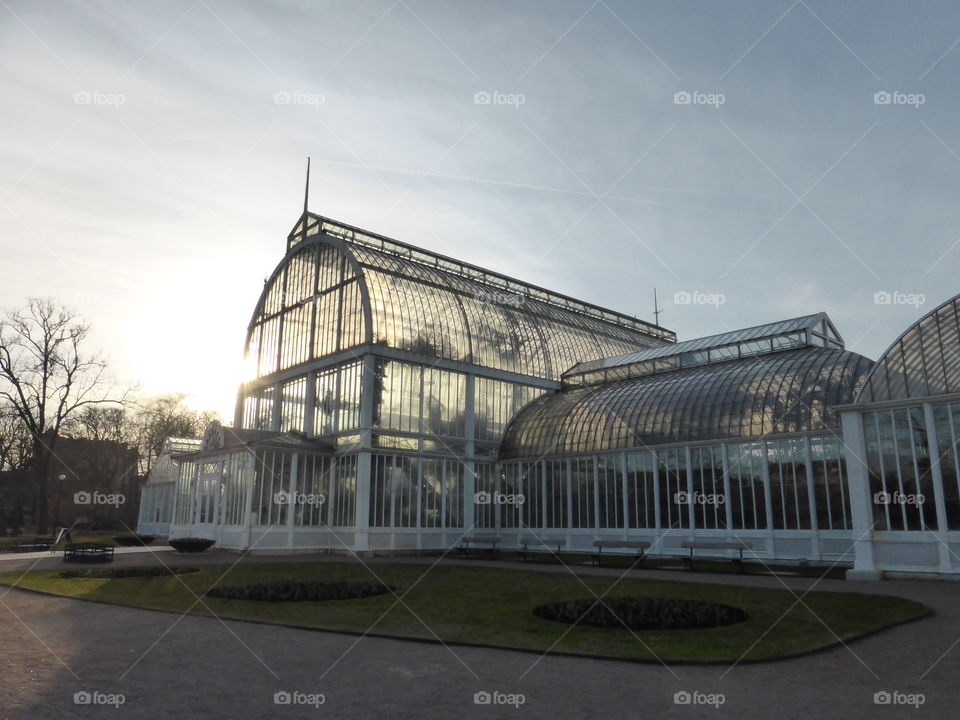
(784, 392)
(314, 224)
(923, 362)
(427, 304)
(808, 331)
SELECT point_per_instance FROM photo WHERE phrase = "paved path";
(192, 667)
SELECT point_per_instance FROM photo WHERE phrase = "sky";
(753, 161)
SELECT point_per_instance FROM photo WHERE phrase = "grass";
(494, 607)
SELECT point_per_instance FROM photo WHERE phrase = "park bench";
(35, 544)
(488, 541)
(528, 541)
(717, 545)
(88, 552)
(639, 545)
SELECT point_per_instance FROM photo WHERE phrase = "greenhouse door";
(208, 496)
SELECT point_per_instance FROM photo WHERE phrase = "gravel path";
(165, 666)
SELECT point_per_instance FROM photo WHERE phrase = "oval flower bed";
(299, 591)
(127, 572)
(642, 613)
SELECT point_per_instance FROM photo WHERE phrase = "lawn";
(494, 606)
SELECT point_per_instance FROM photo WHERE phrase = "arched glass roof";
(428, 304)
(922, 362)
(782, 392)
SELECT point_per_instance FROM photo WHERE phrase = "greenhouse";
(403, 400)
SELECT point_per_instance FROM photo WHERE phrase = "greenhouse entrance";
(208, 495)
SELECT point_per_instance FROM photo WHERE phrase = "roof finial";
(656, 309)
(306, 190)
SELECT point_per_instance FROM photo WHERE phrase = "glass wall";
(747, 502)
(788, 484)
(661, 488)
(311, 309)
(408, 491)
(898, 461)
(947, 419)
(419, 400)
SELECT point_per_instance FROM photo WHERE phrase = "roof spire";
(656, 309)
(306, 190)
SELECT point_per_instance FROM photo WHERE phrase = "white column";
(811, 501)
(470, 429)
(861, 508)
(362, 503)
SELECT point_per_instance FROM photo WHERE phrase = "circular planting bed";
(127, 572)
(299, 591)
(642, 613)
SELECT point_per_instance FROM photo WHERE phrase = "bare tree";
(164, 416)
(46, 378)
(15, 441)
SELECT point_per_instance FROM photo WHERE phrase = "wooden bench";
(88, 552)
(716, 545)
(544, 542)
(35, 544)
(488, 541)
(639, 545)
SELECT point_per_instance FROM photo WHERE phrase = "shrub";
(642, 613)
(133, 540)
(191, 545)
(127, 572)
(299, 591)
